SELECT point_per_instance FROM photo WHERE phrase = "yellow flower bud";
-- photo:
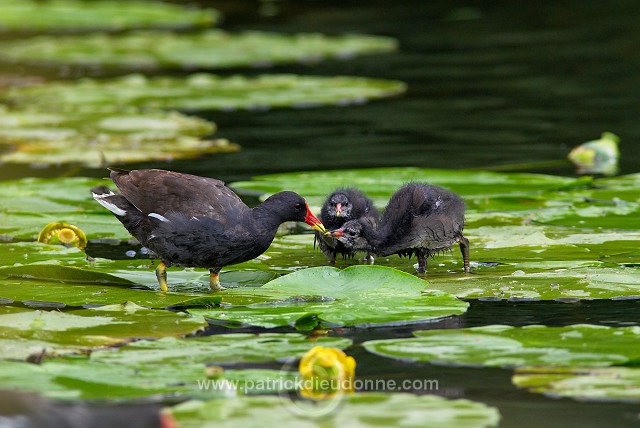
(325, 372)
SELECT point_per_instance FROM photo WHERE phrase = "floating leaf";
(65, 274)
(20, 349)
(207, 49)
(79, 378)
(357, 296)
(506, 346)
(532, 236)
(362, 410)
(95, 140)
(201, 92)
(601, 384)
(34, 15)
(380, 183)
(167, 367)
(27, 205)
(97, 326)
(219, 349)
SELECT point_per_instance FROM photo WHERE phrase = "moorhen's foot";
(161, 274)
(422, 262)
(464, 248)
(214, 281)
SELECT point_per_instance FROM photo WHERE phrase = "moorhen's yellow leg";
(422, 261)
(214, 280)
(161, 274)
(464, 248)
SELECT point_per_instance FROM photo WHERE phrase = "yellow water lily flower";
(325, 372)
(597, 156)
(67, 234)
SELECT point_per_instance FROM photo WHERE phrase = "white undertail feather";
(108, 205)
(158, 216)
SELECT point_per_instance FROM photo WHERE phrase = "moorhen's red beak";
(336, 233)
(338, 210)
(313, 221)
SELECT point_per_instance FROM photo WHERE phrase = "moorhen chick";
(193, 221)
(341, 206)
(420, 219)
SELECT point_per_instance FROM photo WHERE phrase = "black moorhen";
(420, 219)
(193, 221)
(341, 206)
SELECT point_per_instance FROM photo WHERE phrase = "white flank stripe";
(108, 205)
(158, 216)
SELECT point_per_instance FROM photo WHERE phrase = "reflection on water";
(493, 85)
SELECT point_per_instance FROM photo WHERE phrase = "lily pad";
(20, 349)
(65, 15)
(79, 378)
(96, 326)
(218, 349)
(95, 140)
(201, 92)
(492, 198)
(362, 410)
(601, 384)
(380, 183)
(211, 49)
(506, 346)
(29, 204)
(167, 368)
(532, 236)
(357, 296)
(26, 332)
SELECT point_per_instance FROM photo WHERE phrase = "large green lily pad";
(27, 205)
(79, 378)
(35, 272)
(211, 49)
(492, 198)
(201, 92)
(357, 296)
(380, 183)
(28, 333)
(96, 326)
(219, 349)
(599, 384)
(167, 368)
(92, 140)
(66, 15)
(506, 346)
(361, 410)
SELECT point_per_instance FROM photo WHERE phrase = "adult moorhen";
(193, 221)
(420, 219)
(341, 206)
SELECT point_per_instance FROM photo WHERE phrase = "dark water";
(506, 85)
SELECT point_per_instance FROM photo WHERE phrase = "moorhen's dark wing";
(421, 216)
(162, 192)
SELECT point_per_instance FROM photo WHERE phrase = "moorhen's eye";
(351, 233)
(299, 206)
